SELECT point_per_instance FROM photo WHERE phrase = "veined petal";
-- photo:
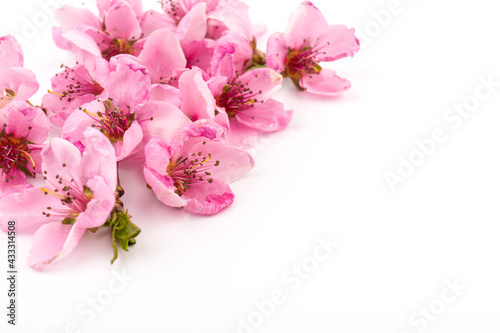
(21, 81)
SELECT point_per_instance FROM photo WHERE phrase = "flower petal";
(162, 44)
(121, 22)
(15, 207)
(276, 52)
(208, 199)
(163, 187)
(11, 54)
(337, 42)
(305, 26)
(131, 139)
(21, 81)
(70, 17)
(98, 158)
(197, 101)
(269, 117)
(193, 26)
(326, 83)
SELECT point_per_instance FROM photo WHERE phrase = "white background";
(321, 177)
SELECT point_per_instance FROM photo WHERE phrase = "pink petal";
(165, 93)
(121, 22)
(53, 242)
(105, 5)
(166, 121)
(197, 101)
(305, 26)
(193, 26)
(70, 17)
(61, 159)
(198, 54)
(162, 44)
(158, 155)
(12, 185)
(269, 117)
(222, 63)
(208, 199)
(98, 158)
(131, 139)
(242, 57)
(99, 208)
(25, 207)
(276, 52)
(21, 81)
(235, 16)
(233, 162)
(337, 42)
(11, 54)
(263, 82)
(327, 83)
(78, 121)
(163, 187)
(153, 20)
(241, 135)
(129, 85)
(20, 116)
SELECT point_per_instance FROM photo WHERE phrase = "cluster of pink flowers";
(184, 92)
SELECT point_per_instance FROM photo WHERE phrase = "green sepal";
(123, 231)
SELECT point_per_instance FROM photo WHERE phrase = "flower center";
(7, 96)
(301, 63)
(73, 198)
(118, 46)
(113, 122)
(237, 97)
(15, 155)
(80, 83)
(191, 168)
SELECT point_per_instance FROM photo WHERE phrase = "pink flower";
(193, 171)
(73, 87)
(78, 195)
(307, 41)
(16, 83)
(127, 117)
(246, 99)
(25, 129)
(117, 30)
